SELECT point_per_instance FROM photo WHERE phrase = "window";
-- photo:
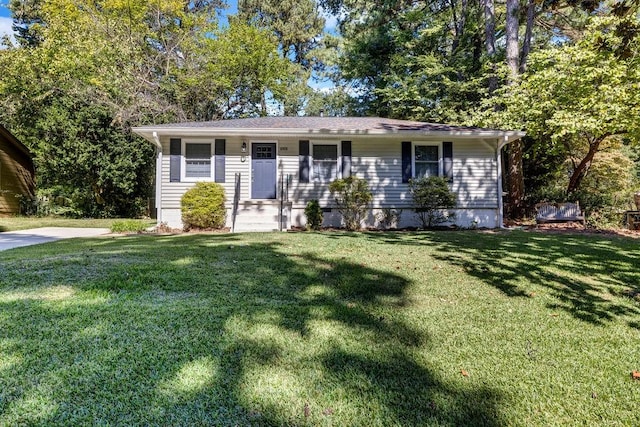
(427, 158)
(197, 161)
(426, 161)
(325, 162)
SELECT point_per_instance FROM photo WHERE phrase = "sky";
(5, 20)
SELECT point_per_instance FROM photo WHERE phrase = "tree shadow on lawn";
(590, 277)
(215, 330)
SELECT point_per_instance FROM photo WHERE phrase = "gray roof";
(323, 123)
(321, 127)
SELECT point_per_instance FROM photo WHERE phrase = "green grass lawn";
(23, 223)
(335, 329)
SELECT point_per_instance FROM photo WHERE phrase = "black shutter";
(406, 161)
(219, 153)
(346, 159)
(305, 161)
(447, 160)
(175, 149)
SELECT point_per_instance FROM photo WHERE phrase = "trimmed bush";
(314, 215)
(432, 199)
(203, 206)
(352, 196)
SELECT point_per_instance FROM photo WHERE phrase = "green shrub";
(314, 215)
(203, 206)
(128, 226)
(352, 196)
(432, 198)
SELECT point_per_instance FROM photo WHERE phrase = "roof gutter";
(156, 140)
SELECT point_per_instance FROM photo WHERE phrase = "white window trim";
(183, 161)
(440, 156)
(338, 144)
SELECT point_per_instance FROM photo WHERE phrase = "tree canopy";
(83, 73)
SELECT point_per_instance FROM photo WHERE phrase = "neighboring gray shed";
(273, 166)
(17, 174)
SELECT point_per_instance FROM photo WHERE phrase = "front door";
(263, 170)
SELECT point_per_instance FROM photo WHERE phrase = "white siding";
(376, 160)
(173, 191)
(380, 163)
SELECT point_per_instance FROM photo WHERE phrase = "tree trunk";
(490, 27)
(490, 40)
(581, 170)
(458, 23)
(516, 176)
(526, 43)
(263, 104)
(513, 62)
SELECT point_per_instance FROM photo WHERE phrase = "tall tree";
(298, 25)
(580, 98)
(27, 21)
(515, 176)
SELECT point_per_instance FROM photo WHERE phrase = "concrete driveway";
(16, 239)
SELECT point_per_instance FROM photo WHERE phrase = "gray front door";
(263, 171)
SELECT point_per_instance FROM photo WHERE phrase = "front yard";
(430, 328)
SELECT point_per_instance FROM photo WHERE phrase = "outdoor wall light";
(243, 150)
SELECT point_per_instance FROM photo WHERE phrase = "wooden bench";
(558, 212)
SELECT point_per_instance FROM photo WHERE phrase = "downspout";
(158, 178)
(499, 148)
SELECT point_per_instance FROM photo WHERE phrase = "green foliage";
(296, 23)
(432, 198)
(314, 215)
(241, 66)
(573, 94)
(84, 73)
(203, 206)
(581, 102)
(423, 63)
(53, 201)
(27, 21)
(128, 226)
(352, 197)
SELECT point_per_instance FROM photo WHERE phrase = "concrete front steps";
(260, 215)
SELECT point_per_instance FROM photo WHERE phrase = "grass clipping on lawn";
(369, 329)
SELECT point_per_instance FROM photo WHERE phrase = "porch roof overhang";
(323, 127)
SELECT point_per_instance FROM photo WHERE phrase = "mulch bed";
(578, 228)
(555, 228)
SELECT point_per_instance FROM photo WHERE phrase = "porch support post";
(158, 178)
(500, 146)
